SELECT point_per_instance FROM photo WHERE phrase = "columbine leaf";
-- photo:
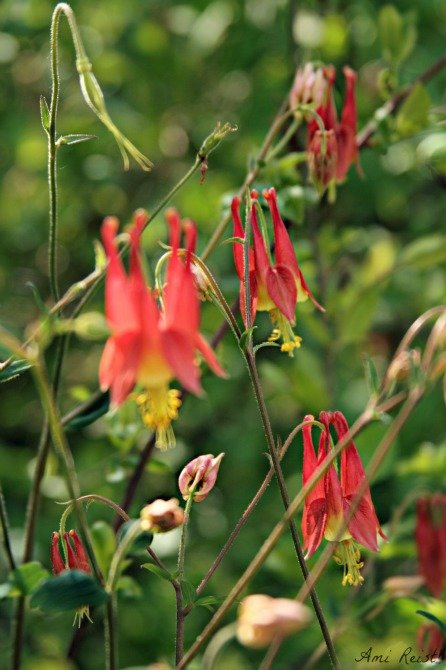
(93, 412)
(433, 618)
(75, 139)
(68, 591)
(141, 542)
(44, 114)
(413, 114)
(164, 574)
(14, 370)
(28, 576)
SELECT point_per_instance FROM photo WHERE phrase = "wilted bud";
(308, 88)
(162, 516)
(403, 364)
(213, 140)
(201, 283)
(402, 586)
(322, 158)
(261, 618)
(199, 477)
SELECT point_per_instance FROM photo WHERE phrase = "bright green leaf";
(413, 114)
(14, 370)
(44, 114)
(164, 574)
(104, 544)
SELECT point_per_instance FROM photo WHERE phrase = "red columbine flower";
(152, 343)
(431, 641)
(275, 288)
(329, 501)
(430, 536)
(76, 559)
(340, 147)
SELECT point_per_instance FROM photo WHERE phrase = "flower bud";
(403, 364)
(77, 557)
(261, 618)
(199, 476)
(402, 586)
(91, 326)
(308, 88)
(57, 561)
(162, 515)
(322, 158)
(213, 140)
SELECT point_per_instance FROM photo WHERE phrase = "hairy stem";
(5, 530)
(179, 640)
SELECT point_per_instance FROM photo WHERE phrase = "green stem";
(111, 641)
(5, 528)
(119, 555)
(179, 638)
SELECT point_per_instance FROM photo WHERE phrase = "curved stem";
(179, 640)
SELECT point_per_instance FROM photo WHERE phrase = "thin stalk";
(110, 634)
(179, 639)
(5, 529)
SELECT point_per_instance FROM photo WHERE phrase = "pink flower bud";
(309, 86)
(261, 618)
(162, 515)
(199, 476)
(322, 158)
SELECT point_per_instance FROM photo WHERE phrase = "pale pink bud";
(199, 476)
(162, 515)
(309, 86)
(261, 618)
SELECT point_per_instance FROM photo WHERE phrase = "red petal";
(118, 366)
(283, 249)
(314, 520)
(237, 247)
(179, 351)
(363, 524)
(56, 559)
(209, 356)
(281, 287)
(260, 255)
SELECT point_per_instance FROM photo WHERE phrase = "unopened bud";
(162, 515)
(199, 476)
(401, 586)
(57, 562)
(308, 88)
(322, 158)
(262, 618)
(213, 140)
(201, 283)
(403, 364)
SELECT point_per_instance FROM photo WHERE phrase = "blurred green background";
(375, 259)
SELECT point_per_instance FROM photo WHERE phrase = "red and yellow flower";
(154, 338)
(275, 287)
(329, 502)
(332, 151)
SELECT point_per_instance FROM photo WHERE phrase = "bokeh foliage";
(170, 71)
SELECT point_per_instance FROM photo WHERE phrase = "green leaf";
(262, 345)
(413, 114)
(210, 602)
(129, 588)
(93, 412)
(14, 370)
(244, 337)
(188, 590)
(371, 375)
(432, 617)
(44, 114)
(164, 574)
(75, 139)
(28, 576)
(69, 590)
(397, 33)
(424, 253)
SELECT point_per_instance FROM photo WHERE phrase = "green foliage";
(23, 580)
(70, 590)
(413, 114)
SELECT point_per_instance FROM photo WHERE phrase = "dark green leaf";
(140, 543)
(93, 412)
(69, 590)
(432, 617)
(188, 591)
(14, 370)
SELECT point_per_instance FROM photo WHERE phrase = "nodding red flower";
(152, 343)
(328, 503)
(430, 537)
(274, 287)
(431, 641)
(341, 147)
(76, 559)
(75, 552)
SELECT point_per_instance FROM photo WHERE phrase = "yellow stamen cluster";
(284, 331)
(348, 555)
(80, 613)
(159, 407)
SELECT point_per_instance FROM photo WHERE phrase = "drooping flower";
(152, 343)
(162, 515)
(262, 618)
(340, 145)
(328, 503)
(430, 537)
(76, 559)
(199, 476)
(274, 287)
(431, 641)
